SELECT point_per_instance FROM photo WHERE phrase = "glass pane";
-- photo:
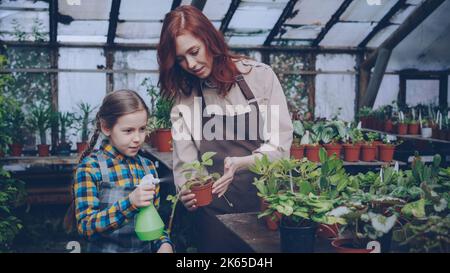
(139, 82)
(81, 58)
(83, 31)
(339, 34)
(85, 10)
(139, 59)
(24, 25)
(294, 86)
(143, 9)
(362, 11)
(134, 30)
(422, 92)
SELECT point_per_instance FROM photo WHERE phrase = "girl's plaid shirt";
(125, 172)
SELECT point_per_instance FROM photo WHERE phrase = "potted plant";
(199, 181)
(369, 149)
(402, 125)
(269, 182)
(163, 123)
(301, 212)
(386, 150)
(40, 119)
(82, 121)
(363, 225)
(388, 123)
(16, 127)
(297, 149)
(311, 141)
(332, 136)
(353, 146)
(413, 124)
(65, 122)
(364, 116)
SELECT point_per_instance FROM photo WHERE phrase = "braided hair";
(114, 106)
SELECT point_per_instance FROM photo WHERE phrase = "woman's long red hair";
(173, 80)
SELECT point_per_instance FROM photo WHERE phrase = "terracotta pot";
(297, 151)
(16, 149)
(388, 126)
(312, 153)
(386, 152)
(333, 148)
(43, 150)
(351, 152)
(203, 193)
(81, 147)
(368, 152)
(413, 129)
(328, 231)
(344, 246)
(376, 143)
(402, 128)
(164, 140)
(272, 221)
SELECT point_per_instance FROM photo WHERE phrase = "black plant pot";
(385, 242)
(64, 149)
(297, 239)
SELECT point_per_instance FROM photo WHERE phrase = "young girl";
(106, 197)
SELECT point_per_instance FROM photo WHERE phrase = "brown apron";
(241, 194)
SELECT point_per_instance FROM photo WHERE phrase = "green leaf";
(416, 209)
(208, 155)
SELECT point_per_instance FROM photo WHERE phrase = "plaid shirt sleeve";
(90, 219)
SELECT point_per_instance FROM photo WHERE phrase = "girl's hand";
(142, 196)
(188, 199)
(231, 165)
(165, 248)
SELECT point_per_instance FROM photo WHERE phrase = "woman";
(234, 95)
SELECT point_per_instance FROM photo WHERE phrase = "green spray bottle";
(149, 225)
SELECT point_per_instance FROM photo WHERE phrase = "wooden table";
(253, 232)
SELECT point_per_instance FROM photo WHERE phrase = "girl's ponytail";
(70, 217)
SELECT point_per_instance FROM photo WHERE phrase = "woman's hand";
(231, 165)
(188, 199)
(142, 196)
(165, 248)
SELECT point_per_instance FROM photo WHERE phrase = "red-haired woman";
(226, 104)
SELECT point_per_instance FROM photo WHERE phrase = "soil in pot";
(295, 239)
(203, 193)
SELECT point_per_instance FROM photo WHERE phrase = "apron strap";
(103, 168)
(248, 94)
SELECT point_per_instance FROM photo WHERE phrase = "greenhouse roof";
(246, 23)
